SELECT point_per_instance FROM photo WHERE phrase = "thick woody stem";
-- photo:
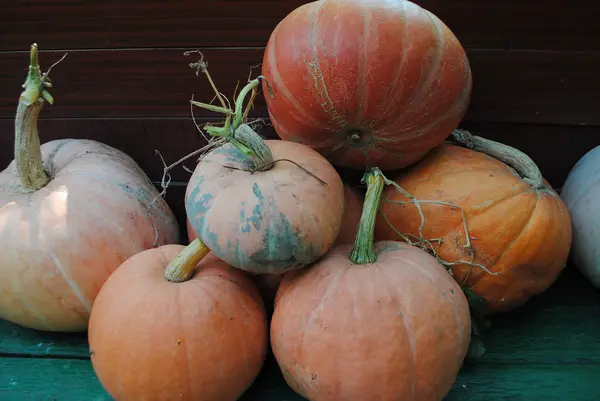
(28, 155)
(516, 159)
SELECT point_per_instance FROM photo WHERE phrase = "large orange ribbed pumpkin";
(519, 228)
(71, 211)
(380, 321)
(177, 323)
(365, 82)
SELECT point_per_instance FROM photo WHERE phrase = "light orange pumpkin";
(177, 323)
(519, 228)
(353, 202)
(380, 321)
(71, 211)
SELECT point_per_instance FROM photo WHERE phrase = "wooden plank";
(49, 379)
(148, 83)
(175, 199)
(138, 23)
(509, 86)
(20, 341)
(535, 87)
(555, 327)
(528, 382)
(177, 137)
(59, 379)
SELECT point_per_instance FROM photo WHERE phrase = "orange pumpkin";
(365, 82)
(353, 201)
(171, 322)
(519, 229)
(264, 206)
(71, 211)
(380, 321)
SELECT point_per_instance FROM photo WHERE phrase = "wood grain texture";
(547, 350)
(65, 380)
(77, 24)
(27, 379)
(508, 86)
(177, 137)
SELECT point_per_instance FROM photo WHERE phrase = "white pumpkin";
(581, 194)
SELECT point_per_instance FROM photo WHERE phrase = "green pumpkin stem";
(28, 155)
(183, 266)
(363, 251)
(237, 132)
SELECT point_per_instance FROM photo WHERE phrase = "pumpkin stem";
(513, 157)
(237, 132)
(363, 251)
(28, 154)
(183, 266)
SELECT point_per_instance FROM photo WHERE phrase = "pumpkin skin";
(521, 234)
(581, 194)
(267, 284)
(202, 339)
(397, 329)
(352, 210)
(269, 221)
(353, 201)
(60, 243)
(71, 211)
(365, 82)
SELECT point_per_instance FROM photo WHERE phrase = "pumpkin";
(353, 201)
(371, 321)
(365, 82)
(71, 211)
(263, 206)
(513, 240)
(352, 209)
(268, 283)
(581, 194)
(178, 322)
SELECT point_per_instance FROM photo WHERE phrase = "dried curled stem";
(429, 244)
(236, 129)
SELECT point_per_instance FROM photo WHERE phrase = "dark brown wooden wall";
(126, 82)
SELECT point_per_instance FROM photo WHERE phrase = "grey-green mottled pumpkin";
(280, 218)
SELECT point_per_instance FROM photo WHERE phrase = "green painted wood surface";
(547, 350)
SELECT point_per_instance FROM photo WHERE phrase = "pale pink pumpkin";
(71, 211)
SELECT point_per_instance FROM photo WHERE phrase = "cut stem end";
(183, 266)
